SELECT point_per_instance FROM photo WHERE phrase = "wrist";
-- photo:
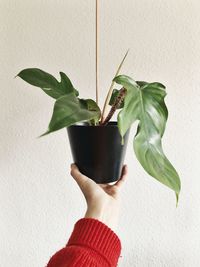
(94, 213)
(109, 218)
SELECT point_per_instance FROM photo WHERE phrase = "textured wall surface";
(39, 202)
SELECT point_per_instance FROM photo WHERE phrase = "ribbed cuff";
(98, 237)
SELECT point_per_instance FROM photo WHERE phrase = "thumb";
(82, 180)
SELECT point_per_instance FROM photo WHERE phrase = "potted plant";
(98, 145)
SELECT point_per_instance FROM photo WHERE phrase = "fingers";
(87, 186)
(78, 176)
(123, 177)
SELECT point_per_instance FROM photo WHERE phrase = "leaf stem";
(106, 104)
(96, 53)
(116, 105)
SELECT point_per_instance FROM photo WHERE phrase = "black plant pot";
(97, 151)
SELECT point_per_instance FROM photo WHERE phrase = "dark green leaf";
(47, 82)
(145, 102)
(141, 83)
(66, 84)
(69, 110)
(114, 95)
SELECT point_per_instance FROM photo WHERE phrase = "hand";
(103, 200)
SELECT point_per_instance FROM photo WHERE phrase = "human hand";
(103, 200)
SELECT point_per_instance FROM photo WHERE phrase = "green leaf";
(129, 114)
(145, 102)
(47, 82)
(114, 95)
(66, 84)
(69, 110)
(92, 106)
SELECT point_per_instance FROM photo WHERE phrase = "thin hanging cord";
(96, 50)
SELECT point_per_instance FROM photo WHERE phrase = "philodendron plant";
(136, 101)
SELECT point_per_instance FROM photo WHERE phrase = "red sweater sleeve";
(92, 244)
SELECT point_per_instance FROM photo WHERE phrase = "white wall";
(39, 201)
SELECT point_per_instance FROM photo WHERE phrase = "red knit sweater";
(92, 244)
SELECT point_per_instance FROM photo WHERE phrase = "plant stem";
(106, 104)
(116, 105)
(96, 52)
